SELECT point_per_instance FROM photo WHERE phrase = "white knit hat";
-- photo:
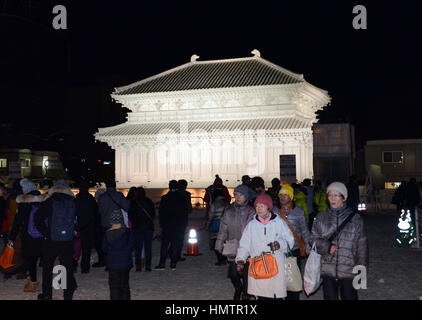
(340, 187)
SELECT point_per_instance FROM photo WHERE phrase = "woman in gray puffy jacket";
(234, 221)
(341, 253)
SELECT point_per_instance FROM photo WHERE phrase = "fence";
(195, 204)
(379, 200)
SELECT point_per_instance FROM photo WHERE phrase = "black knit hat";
(218, 180)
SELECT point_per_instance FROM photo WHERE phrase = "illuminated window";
(392, 157)
(25, 163)
(3, 163)
(392, 185)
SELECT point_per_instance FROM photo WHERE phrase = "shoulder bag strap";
(145, 211)
(343, 224)
(291, 228)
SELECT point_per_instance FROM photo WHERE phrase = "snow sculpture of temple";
(229, 117)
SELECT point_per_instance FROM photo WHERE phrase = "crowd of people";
(282, 219)
(288, 218)
(57, 224)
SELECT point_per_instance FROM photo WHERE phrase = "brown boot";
(31, 286)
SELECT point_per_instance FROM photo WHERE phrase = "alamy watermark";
(360, 21)
(360, 280)
(60, 280)
(60, 20)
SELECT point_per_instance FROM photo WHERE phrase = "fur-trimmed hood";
(57, 189)
(29, 198)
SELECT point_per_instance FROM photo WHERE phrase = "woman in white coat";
(266, 232)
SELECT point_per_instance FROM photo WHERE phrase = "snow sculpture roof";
(213, 74)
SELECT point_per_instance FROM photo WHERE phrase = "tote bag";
(230, 248)
(292, 271)
(312, 275)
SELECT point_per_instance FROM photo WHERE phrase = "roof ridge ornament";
(256, 53)
(194, 57)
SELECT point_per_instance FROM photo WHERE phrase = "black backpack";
(63, 220)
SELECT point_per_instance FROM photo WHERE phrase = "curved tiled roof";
(208, 126)
(230, 73)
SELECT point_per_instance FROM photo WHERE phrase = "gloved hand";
(10, 243)
(240, 267)
(274, 245)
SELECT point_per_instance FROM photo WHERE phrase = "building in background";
(334, 152)
(229, 117)
(391, 161)
(31, 164)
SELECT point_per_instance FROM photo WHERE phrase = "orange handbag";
(263, 266)
(7, 258)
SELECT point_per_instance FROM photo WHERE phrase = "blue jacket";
(119, 252)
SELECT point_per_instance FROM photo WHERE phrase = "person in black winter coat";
(142, 214)
(183, 184)
(412, 197)
(86, 208)
(52, 249)
(31, 244)
(172, 216)
(399, 195)
(353, 198)
(117, 244)
(98, 234)
(257, 187)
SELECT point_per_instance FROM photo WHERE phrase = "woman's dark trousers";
(332, 285)
(32, 267)
(240, 282)
(50, 253)
(143, 237)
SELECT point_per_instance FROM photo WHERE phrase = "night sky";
(56, 84)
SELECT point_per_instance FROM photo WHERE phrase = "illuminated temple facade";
(229, 117)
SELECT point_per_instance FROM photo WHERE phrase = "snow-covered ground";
(394, 273)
